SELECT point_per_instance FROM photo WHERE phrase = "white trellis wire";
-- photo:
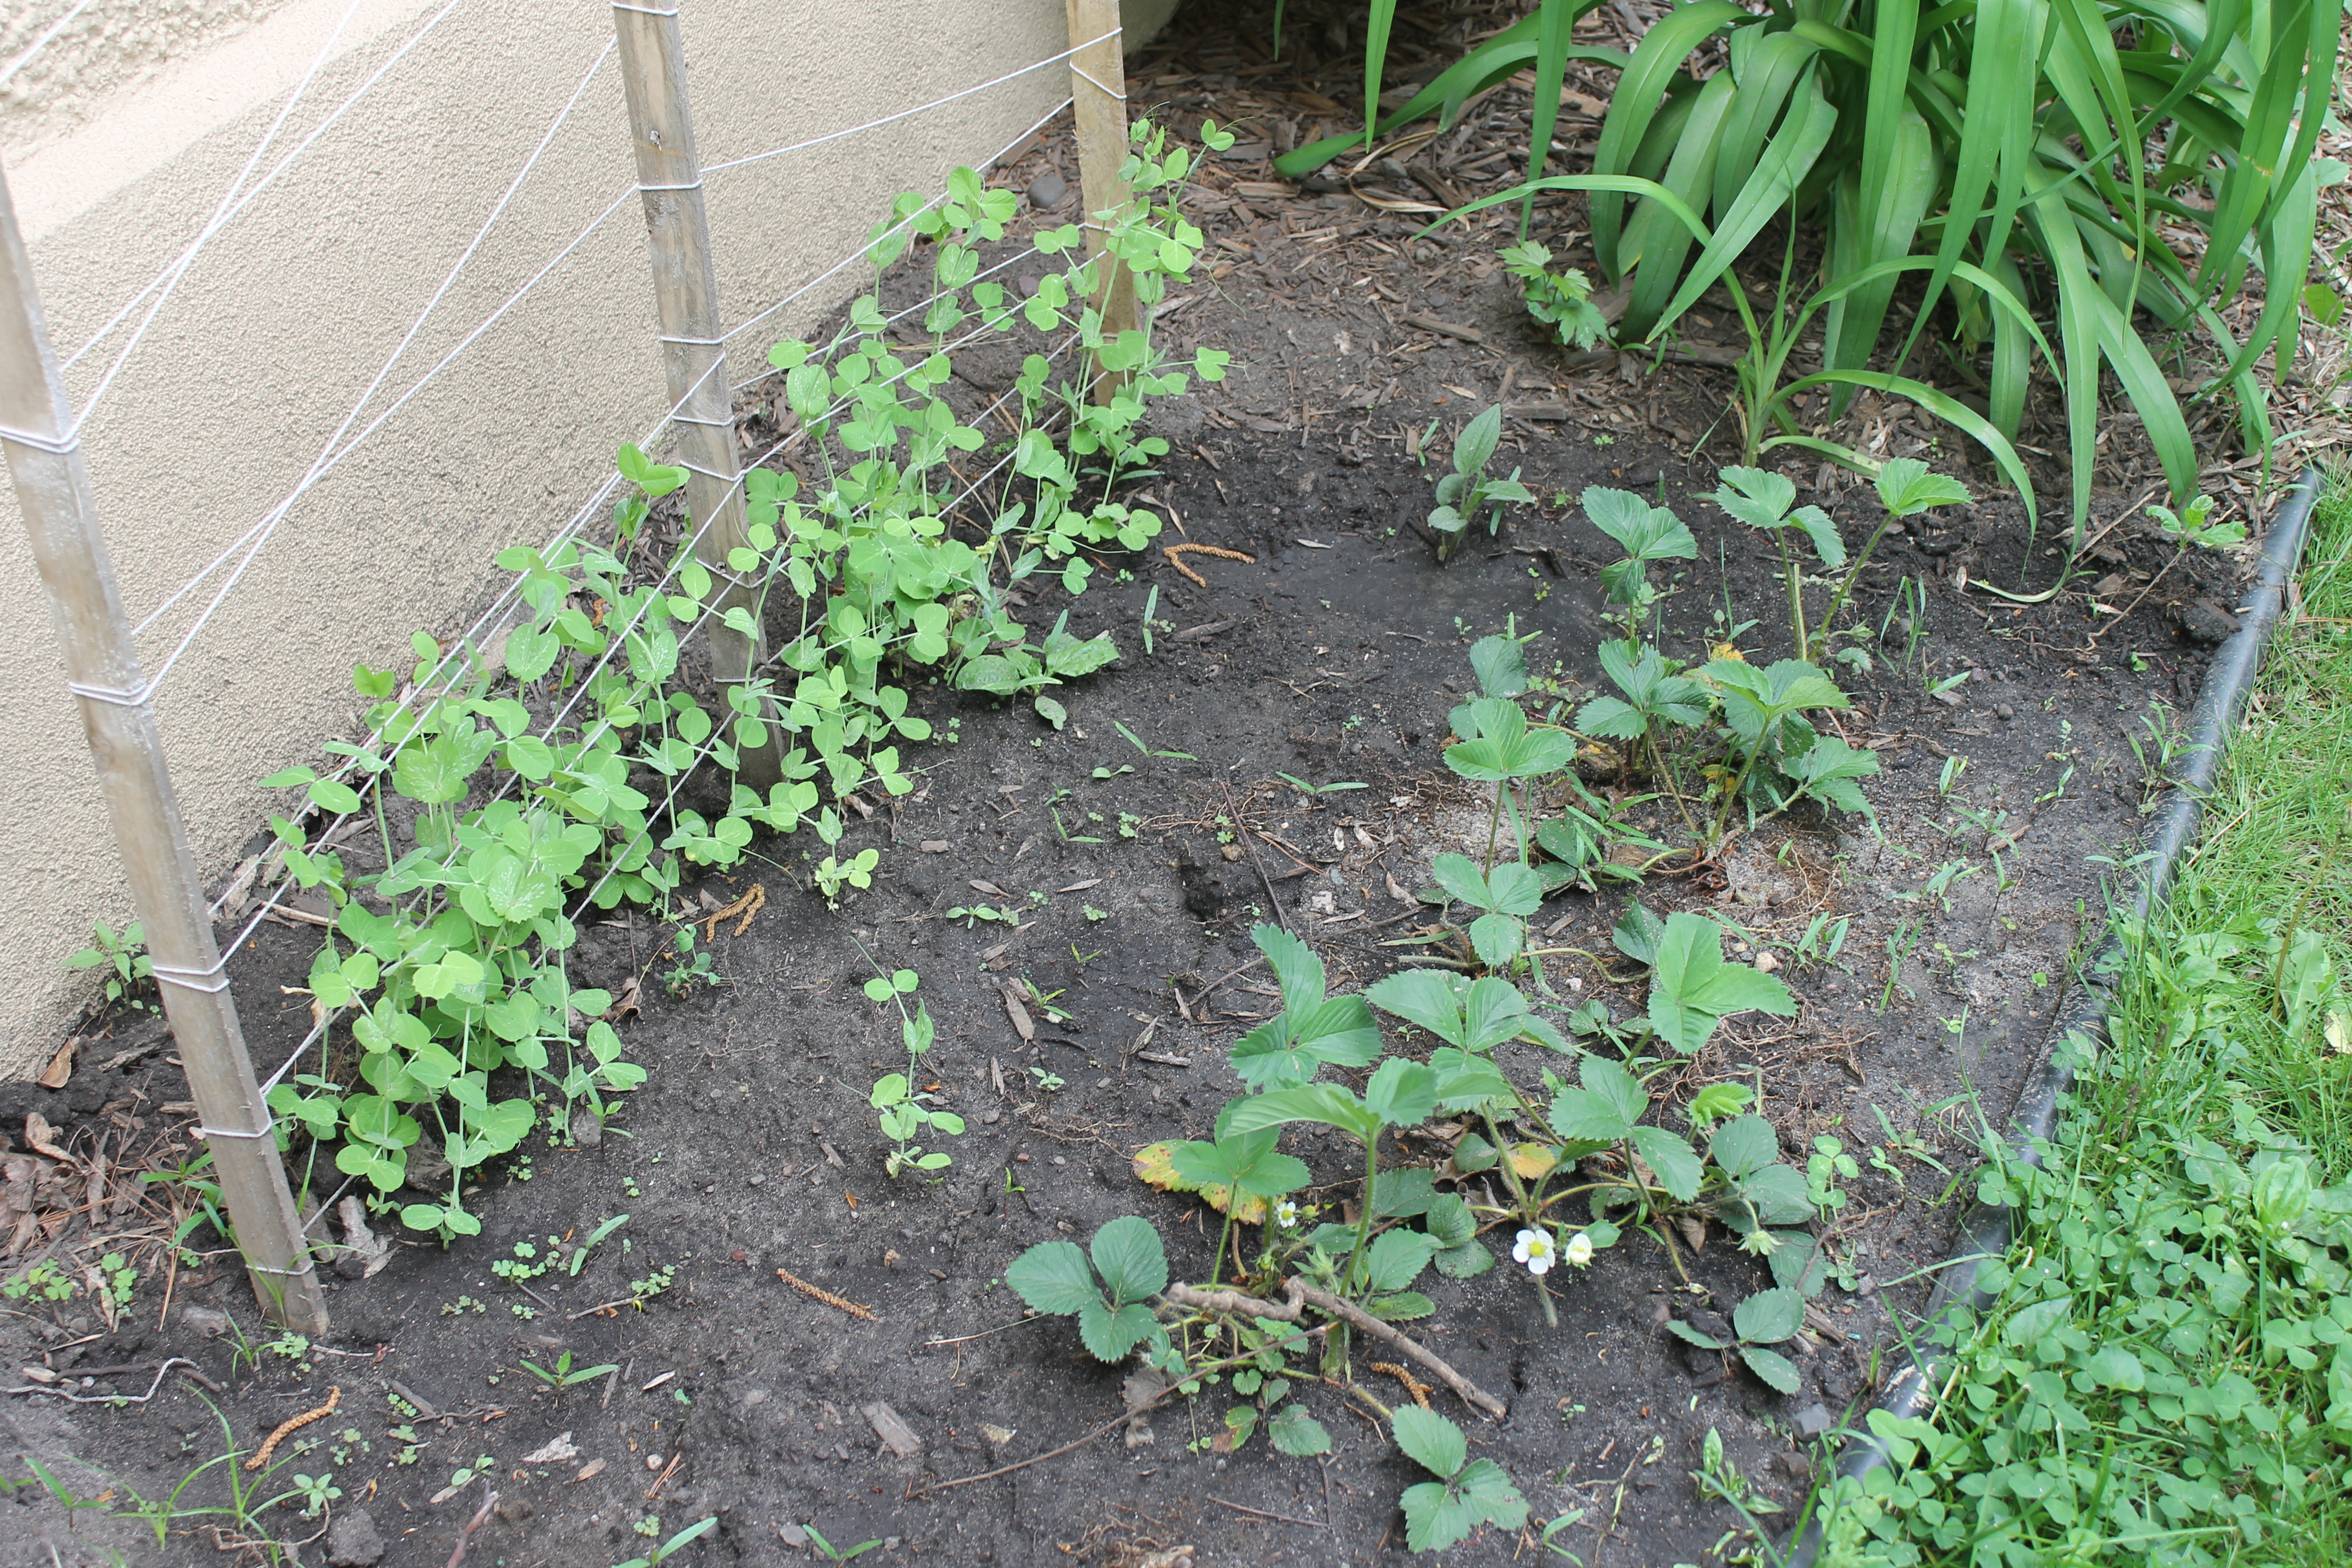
(506, 600)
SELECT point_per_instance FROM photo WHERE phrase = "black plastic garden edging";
(1984, 1234)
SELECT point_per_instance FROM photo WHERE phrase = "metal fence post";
(37, 431)
(694, 357)
(1098, 99)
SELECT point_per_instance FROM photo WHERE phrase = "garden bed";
(727, 1160)
(1133, 850)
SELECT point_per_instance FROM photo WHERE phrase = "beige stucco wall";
(118, 160)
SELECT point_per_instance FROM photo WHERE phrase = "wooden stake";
(36, 429)
(694, 359)
(1098, 93)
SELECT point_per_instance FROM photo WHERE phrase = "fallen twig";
(293, 1424)
(1231, 1301)
(1261, 1513)
(466, 1536)
(1324, 1301)
(1020, 1465)
(117, 1398)
(828, 1297)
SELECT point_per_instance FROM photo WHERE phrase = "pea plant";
(541, 774)
(905, 1110)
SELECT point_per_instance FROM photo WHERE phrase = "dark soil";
(1334, 656)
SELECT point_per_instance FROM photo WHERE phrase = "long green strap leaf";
(1554, 23)
(1791, 156)
(1883, 113)
(1999, 113)
(1376, 25)
(1772, 65)
(1654, 246)
(1616, 184)
(1959, 415)
(1640, 92)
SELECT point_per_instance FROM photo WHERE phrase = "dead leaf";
(1694, 1231)
(996, 1077)
(42, 1138)
(990, 889)
(60, 1066)
(1142, 1389)
(1155, 1166)
(896, 1435)
(1081, 887)
(1022, 1024)
(373, 1248)
(1396, 889)
(624, 1001)
(998, 1436)
(589, 1471)
(1533, 1160)
(559, 1450)
(851, 1199)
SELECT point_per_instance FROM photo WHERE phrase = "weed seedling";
(565, 1376)
(1469, 491)
(124, 956)
(675, 1543)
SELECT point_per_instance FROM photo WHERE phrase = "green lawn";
(2166, 1377)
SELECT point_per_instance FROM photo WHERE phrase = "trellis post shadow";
(43, 444)
(693, 355)
(1098, 108)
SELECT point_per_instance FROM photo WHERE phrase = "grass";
(2166, 1374)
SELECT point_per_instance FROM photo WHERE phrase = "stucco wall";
(291, 310)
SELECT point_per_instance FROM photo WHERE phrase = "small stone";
(209, 1321)
(1813, 1420)
(2004, 711)
(792, 1535)
(992, 1117)
(1048, 190)
(1232, 851)
(756, 1181)
(587, 1130)
(935, 845)
(2206, 623)
(352, 1540)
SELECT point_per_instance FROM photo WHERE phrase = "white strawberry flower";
(1286, 1215)
(1580, 1249)
(1538, 1250)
